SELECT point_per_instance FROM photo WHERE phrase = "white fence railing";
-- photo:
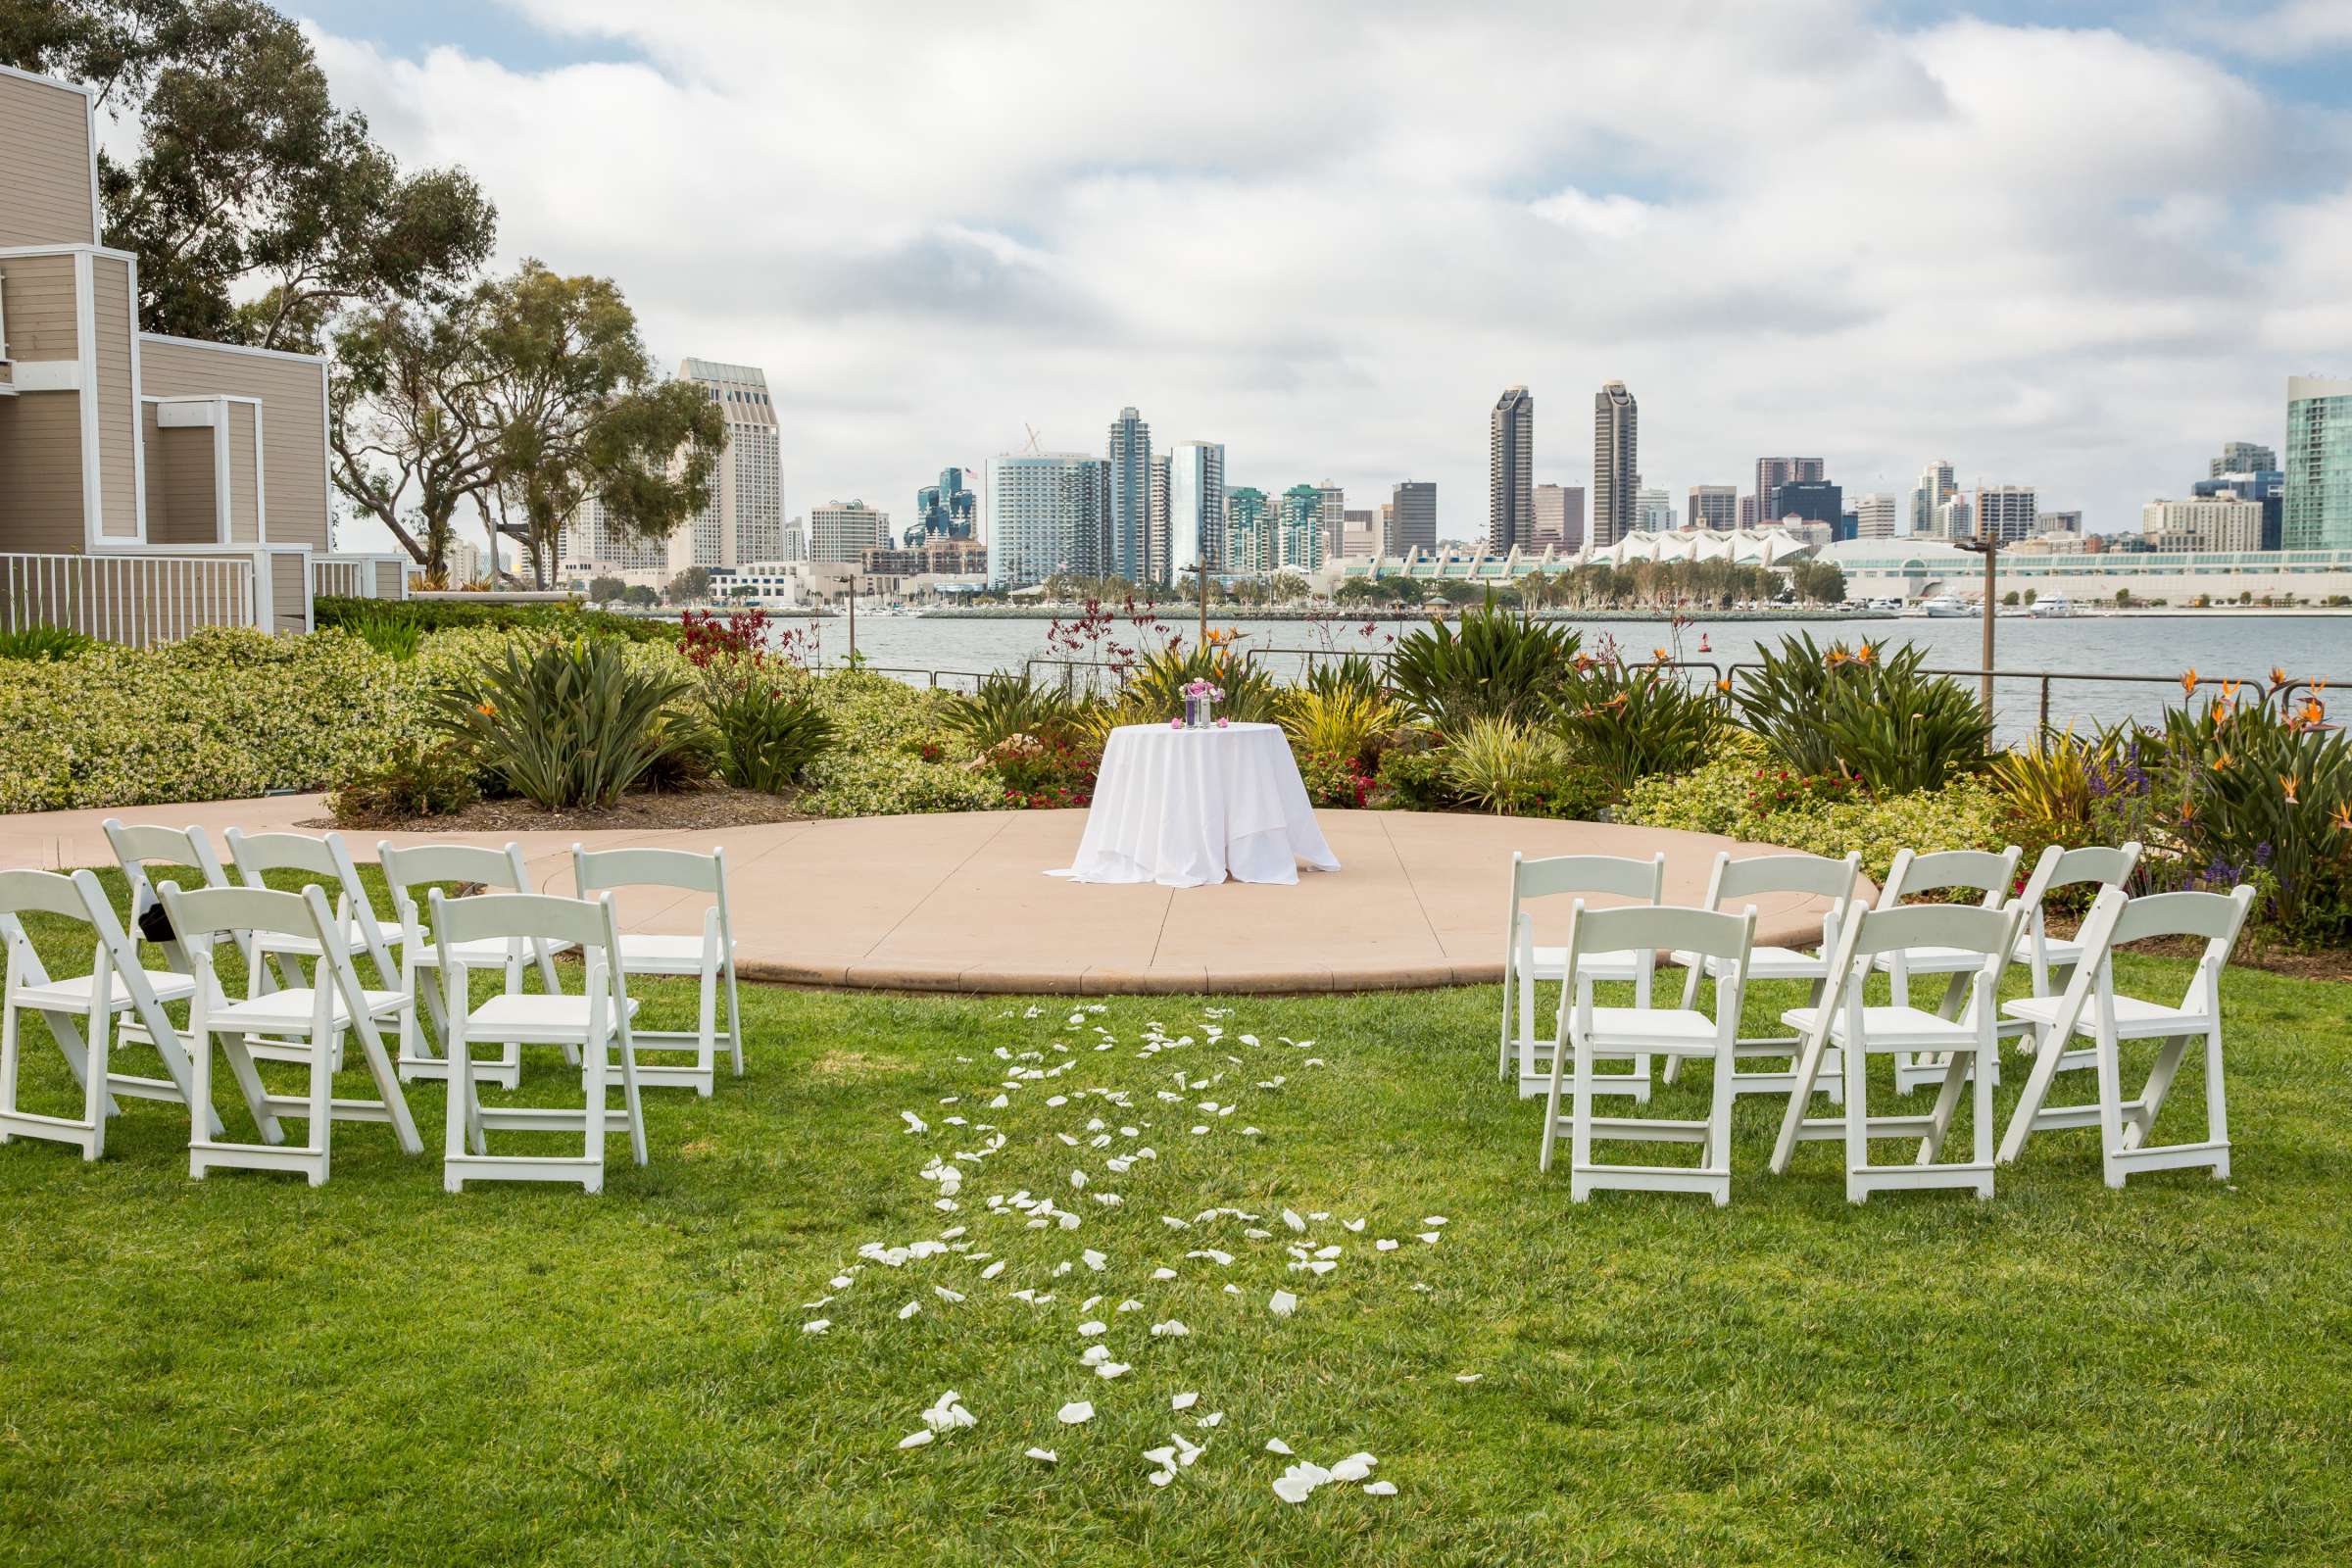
(358, 576)
(137, 599)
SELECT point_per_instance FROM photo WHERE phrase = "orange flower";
(2314, 710)
(487, 711)
(2188, 681)
(1724, 685)
(1867, 654)
(2286, 782)
(1658, 653)
(2318, 685)
(2278, 676)
(2221, 763)
(2343, 815)
(2230, 690)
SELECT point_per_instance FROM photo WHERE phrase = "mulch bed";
(651, 812)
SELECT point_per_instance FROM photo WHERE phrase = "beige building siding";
(180, 492)
(293, 394)
(118, 409)
(45, 150)
(246, 456)
(40, 453)
(387, 579)
(289, 590)
(41, 321)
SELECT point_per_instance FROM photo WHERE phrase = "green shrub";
(1335, 780)
(225, 713)
(443, 614)
(765, 732)
(44, 642)
(1349, 673)
(1781, 700)
(571, 722)
(1864, 712)
(1636, 720)
(1493, 666)
(1413, 777)
(1339, 721)
(1154, 687)
(1712, 798)
(894, 752)
(1515, 769)
(2265, 793)
(1007, 705)
(1043, 772)
(396, 637)
(415, 778)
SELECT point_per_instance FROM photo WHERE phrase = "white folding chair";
(1737, 881)
(596, 1022)
(318, 1014)
(1844, 1021)
(137, 847)
(275, 958)
(2046, 955)
(80, 1011)
(709, 957)
(1989, 874)
(405, 871)
(2091, 1008)
(1524, 963)
(1589, 1033)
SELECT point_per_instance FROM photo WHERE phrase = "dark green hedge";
(435, 614)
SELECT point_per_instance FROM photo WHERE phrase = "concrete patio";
(960, 901)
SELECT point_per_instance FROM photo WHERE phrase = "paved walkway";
(960, 903)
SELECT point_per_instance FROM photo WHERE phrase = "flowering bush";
(1336, 781)
(1776, 789)
(1049, 772)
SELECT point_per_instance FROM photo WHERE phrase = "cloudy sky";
(2072, 245)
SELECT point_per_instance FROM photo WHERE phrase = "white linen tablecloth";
(1184, 807)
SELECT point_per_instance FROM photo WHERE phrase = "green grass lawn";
(245, 1370)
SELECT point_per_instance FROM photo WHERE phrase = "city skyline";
(1355, 270)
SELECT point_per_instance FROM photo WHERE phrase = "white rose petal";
(1075, 1412)
(915, 1440)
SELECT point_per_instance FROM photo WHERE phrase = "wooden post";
(1990, 547)
(853, 619)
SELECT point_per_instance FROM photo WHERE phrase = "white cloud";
(1328, 234)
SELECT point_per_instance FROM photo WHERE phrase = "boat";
(2057, 607)
(1943, 606)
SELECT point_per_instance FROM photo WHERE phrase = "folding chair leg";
(2216, 1109)
(2048, 1052)
(2139, 1126)
(238, 1048)
(734, 1019)
(1580, 1134)
(1857, 1119)
(2111, 1110)
(1718, 1149)
(97, 1103)
(706, 1042)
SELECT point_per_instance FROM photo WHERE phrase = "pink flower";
(1175, 723)
(1221, 723)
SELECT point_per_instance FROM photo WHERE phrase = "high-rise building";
(1875, 516)
(1298, 544)
(1332, 500)
(796, 541)
(1714, 506)
(1047, 513)
(1196, 508)
(1773, 473)
(2213, 522)
(2242, 457)
(841, 532)
(1511, 470)
(1935, 488)
(745, 517)
(1616, 463)
(2006, 512)
(1814, 500)
(2268, 487)
(2063, 521)
(2319, 465)
(1559, 511)
(1955, 518)
(591, 544)
(1359, 533)
(1156, 567)
(1654, 510)
(948, 510)
(1249, 532)
(1130, 458)
(1747, 512)
(1412, 522)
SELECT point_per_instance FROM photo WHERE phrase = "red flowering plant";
(1041, 773)
(1777, 789)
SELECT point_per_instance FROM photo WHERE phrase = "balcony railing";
(140, 599)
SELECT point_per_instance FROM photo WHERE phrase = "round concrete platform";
(960, 901)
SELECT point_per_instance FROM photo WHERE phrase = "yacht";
(2056, 607)
(1943, 606)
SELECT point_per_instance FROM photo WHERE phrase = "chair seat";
(543, 1021)
(1767, 963)
(481, 951)
(2061, 953)
(288, 1012)
(1889, 1028)
(1551, 963)
(353, 940)
(653, 952)
(2135, 1019)
(73, 994)
(1682, 1030)
(1932, 960)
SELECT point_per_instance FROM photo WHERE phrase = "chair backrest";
(1709, 933)
(1984, 871)
(1816, 874)
(2215, 916)
(25, 893)
(1615, 874)
(204, 912)
(595, 871)
(419, 865)
(2066, 868)
(139, 846)
(1968, 929)
(587, 923)
(256, 853)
